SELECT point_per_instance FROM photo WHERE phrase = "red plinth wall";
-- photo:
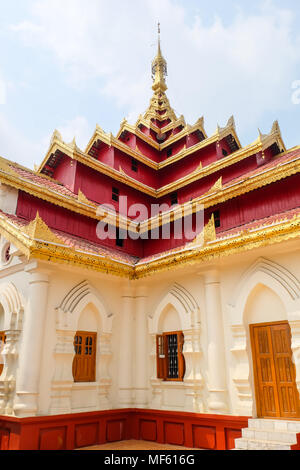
(67, 432)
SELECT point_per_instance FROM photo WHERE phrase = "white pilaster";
(141, 336)
(27, 388)
(216, 352)
(193, 381)
(104, 381)
(61, 387)
(126, 353)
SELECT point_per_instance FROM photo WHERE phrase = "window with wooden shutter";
(84, 362)
(170, 359)
(2, 342)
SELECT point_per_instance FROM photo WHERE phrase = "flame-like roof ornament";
(159, 69)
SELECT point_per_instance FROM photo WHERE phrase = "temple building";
(150, 288)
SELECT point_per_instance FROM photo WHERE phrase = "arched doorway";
(272, 357)
(267, 293)
(274, 371)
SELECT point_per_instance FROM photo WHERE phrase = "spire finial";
(158, 30)
(159, 68)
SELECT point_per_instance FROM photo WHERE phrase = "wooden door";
(274, 371)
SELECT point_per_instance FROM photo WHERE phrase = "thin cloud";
(3, 88)
(17, 147)
(243, 68)
(78, 128)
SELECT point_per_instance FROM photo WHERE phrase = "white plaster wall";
(260, 297)
(169, 320)
(8, 199)
(264, 306)
(62, 282)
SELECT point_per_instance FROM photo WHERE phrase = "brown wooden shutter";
(84, 363)
(181, 360)
(161, 357)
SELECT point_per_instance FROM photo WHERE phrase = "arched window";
(170, 359)
(84, 362)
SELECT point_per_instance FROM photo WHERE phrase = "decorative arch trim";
(76, 300)
(272, 275)
(287, 287)
(184, 303)
(12, 305)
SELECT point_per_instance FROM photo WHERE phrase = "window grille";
(170, 359)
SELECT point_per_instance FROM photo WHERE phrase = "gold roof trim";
(199, 125)
(138, 133)
(230, 191)
(36, 241)
(282, 231)
(218, 165)
(108, 139)
(33, 246)
(72, 150)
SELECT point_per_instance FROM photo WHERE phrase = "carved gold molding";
(36, 240)
(214, 197)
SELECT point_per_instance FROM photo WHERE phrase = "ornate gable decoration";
(210, 230)
(6, 168)
(218, 186)
(122, 171)
(37, 229)
(208, 234)
(83, 199)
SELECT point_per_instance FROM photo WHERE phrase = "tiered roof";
(179, 158)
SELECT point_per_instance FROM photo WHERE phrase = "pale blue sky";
(70, 64)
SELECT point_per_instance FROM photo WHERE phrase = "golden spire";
(159, 69)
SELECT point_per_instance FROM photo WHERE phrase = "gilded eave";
(259, 145)
(71, 150)
(25, 239)
(44, 249)
(214, 167)
(135, 130)
(88, 208)
(243, 241)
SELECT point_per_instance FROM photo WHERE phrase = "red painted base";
(296, 446)
(67, 432)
